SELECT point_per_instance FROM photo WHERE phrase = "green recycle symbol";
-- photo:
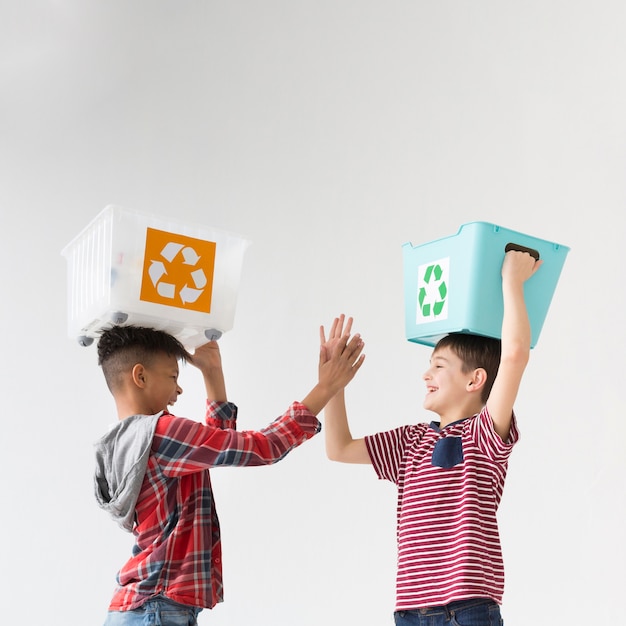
(433, 272)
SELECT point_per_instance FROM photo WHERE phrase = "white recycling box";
(127, 267)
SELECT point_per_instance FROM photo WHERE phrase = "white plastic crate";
(127, 267)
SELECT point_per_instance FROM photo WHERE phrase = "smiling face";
(160, 383)
(446, 383)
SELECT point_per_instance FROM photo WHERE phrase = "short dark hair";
(475, 351)
(120, 348)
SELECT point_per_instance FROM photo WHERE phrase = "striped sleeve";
(386, 449)
(489, 442)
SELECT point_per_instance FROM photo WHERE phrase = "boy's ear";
(477, 381)
(138, 374)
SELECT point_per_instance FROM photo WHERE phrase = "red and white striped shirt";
(450, 483)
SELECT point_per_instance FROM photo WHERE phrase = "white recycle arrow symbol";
(157, 271)
(199, 278)
(171, 250)
(191, 256)
(166, 290)
(189, 294)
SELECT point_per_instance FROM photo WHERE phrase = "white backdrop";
(329, 134)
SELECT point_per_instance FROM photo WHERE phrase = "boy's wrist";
(328, 389)
(318, 397)
(513, 287)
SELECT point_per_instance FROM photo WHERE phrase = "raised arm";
(208, 360)
(517, 268)
(209, 447)
(340, 446)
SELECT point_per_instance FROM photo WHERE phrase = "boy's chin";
(428, 403)
(429, 407)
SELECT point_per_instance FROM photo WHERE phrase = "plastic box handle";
(516, 246)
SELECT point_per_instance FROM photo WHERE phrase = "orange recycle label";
(178, 271)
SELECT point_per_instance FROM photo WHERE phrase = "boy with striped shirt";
(450, 474)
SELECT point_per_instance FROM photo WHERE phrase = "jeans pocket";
(485, 614)
(495, 617)
(174, 614)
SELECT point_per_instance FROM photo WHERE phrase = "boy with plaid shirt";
(152, 468)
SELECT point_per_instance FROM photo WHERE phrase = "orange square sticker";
(178, 271)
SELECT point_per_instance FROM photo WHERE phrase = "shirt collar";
(436, 428)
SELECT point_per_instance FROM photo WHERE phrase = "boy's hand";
(340, 359)
(342, 364)
(335, 335)
(340, 356)
(519, 266)
(207, 357)
(208, 360)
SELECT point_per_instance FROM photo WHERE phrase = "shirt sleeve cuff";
(305, 419)
(221, 414)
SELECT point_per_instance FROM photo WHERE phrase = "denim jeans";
(476, 612)
(157, 611)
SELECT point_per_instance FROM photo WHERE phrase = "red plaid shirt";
(178, 549)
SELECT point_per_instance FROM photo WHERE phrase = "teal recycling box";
(454, 284)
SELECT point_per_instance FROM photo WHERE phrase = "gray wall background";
(328, 133)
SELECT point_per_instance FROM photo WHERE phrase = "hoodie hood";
(121, 460)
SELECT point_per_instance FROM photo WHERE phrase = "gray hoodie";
(121, 460)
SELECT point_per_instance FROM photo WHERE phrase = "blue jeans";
(476, 612)
(157, 611)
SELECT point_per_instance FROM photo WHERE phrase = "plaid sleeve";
(221, 414)
(182, 446)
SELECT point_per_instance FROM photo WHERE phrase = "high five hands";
(340, 354)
